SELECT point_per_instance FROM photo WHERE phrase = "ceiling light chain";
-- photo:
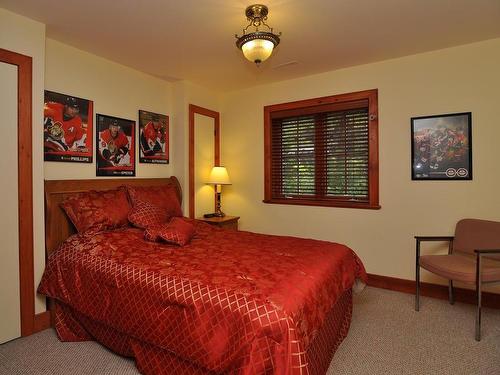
(258, 45)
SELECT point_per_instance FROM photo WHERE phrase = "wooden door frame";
(25, 187)
(194, 109)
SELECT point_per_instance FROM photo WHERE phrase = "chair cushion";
(460, 267)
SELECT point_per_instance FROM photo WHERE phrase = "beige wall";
(116, 91)
(459, 79)
(465, 78)
(25, 36)
(186, 93)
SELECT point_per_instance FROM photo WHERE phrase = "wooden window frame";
(373, 157)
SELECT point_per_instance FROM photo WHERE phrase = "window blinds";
(321, 153)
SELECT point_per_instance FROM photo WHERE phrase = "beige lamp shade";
(219, 176)
(257, 50)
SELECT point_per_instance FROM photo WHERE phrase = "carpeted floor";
(386, 337)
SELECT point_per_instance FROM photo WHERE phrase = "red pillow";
(177, 231)
(164, 196)
(98, 210)
(145, 214)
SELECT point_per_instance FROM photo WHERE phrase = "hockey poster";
(442, 147)
(153, 138)
(115, 146)
(67, 128)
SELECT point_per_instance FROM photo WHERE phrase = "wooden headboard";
(58, 227)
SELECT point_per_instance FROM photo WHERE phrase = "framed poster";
(153, 138)
(115, 146)
(441, 147)
(67, 128)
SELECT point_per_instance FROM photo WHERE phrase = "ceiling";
(194, 39)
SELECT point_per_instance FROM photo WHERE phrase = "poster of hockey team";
(153, 138)
(67, 128)
(115, 146)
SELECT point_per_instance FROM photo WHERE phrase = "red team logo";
(116, 145)
(67, 128)
(153, 138)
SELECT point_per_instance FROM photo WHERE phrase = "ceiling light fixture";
(258, 45)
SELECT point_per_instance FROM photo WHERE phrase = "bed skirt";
(150, 359)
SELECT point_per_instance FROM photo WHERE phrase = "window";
(323, 151)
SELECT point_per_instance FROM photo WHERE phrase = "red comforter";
(229, 301)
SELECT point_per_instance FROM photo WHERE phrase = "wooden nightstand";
(228, 222)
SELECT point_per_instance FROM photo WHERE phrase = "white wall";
(460, 79)
(25, 36)
(116, 90)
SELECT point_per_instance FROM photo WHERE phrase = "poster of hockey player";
(116, 146)
(153, 138)
(67, 128)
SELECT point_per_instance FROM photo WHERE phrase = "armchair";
(473, 257)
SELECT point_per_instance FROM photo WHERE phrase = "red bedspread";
(229, 301)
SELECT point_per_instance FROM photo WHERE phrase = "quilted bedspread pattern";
(229, 301)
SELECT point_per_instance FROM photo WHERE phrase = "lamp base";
(218, 211)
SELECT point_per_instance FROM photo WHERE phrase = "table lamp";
(218, 177)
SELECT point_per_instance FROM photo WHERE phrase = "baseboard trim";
(491, 300)
(42, 321)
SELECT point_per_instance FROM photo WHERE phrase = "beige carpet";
(386, 337)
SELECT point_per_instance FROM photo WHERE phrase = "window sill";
(323, 203)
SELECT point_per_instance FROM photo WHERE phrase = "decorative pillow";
(98, 210)
(164, 196)
(145, 214)
(177, 231)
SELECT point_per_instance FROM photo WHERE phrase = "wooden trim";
(268, 122)
(42, 321)
(25, 187)
(325, 106)
(327, 102)
(323, 203)
(491, 300)
(349, 97)
(373, 162)
(193, 109)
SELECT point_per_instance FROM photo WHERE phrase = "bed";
(229, 302)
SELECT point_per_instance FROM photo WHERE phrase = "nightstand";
(228, 222)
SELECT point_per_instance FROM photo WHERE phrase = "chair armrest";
(487, 251)
(434, 238)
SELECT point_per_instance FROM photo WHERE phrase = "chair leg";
(478, 315)
(478, 294)
(451, 294)
(417, 278)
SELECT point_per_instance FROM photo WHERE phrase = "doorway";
(17, 290)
